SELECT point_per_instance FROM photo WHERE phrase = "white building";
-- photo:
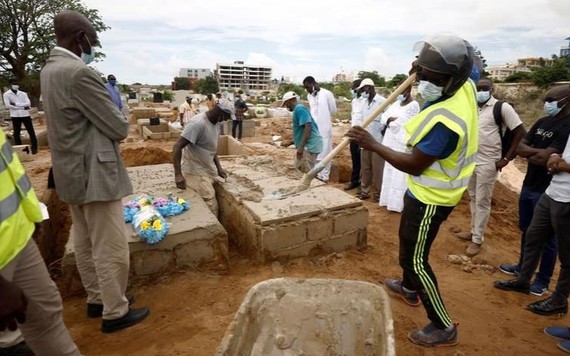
(243, 76)
(198, 73)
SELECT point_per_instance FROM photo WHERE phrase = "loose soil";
(190, 310)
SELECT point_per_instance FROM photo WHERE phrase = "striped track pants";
(418, 228)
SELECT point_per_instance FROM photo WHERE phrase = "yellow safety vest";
(444, 182)
(19, 207)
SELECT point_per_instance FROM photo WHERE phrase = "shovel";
(307, 178)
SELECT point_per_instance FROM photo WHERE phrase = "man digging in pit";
(196, 149)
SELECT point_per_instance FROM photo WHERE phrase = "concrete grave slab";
(195, 238)
(319, 219)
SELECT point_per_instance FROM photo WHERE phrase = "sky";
(150, 40)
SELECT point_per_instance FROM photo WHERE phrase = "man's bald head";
(558, 92)
(74, 32)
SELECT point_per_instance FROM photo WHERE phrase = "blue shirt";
(302, 116)
(115, 95)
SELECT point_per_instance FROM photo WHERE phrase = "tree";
(285, 87)
(396, 80)
(206, 86)
(518, 77)
(27, 36)
(545, 76)
(378, 80)
(182, 83)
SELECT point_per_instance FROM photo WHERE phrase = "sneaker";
(511, 270)
(538, 288)
(564, 346)
(549, 306)
(395, 286)
(513, 285)
(558, 332)
(431, 336)
(473, 249)
(464, 236)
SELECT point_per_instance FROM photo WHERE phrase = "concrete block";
(301, 250)
(279, 237)
(152, 261)
(248, 128)
(194, 253)
(353, 219)
(341, 243)
(229, 146)
(320, 229)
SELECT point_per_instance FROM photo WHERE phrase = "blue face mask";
(364, 95)
(551, 108)
(87, 58)
(401, 97)
(483, 96)
(113, 81)
(429, 91)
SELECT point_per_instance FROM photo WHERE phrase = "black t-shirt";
(546, 132)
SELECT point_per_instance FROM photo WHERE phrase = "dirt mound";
(145, 156)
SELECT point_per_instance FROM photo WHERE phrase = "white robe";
(323, 106)
(394, 181)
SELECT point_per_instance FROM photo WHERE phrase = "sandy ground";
(190, 310)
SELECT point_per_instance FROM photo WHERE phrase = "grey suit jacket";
(84, 127)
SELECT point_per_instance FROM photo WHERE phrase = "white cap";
(366, 81)
(289, 95)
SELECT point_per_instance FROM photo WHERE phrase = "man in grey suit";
(84, 130)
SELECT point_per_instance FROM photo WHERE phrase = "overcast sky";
(150, 40)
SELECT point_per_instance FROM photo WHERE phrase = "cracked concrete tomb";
(321, 219)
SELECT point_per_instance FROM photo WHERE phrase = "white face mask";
(364, 95)
(429, 91)
(483, 96)
(15, 87)
(401, 97)
(87, 58)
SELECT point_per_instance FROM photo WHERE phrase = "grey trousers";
(371, 172)
(44, 330)
(480, 191)
(102, 254)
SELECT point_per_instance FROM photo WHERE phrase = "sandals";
(362, 196)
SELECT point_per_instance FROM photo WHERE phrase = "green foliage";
(398, 78)
(518, 77)
(167, 95)
(27, 35)
(378, 80)
(545, 76)
(124, 88)
(285, 87)
(182, 83)
(206, 86)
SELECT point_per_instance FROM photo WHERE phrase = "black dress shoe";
(351, 185)
(514, 285)
(96, 310)
(21, 349)
(134, 316)
(549, 306)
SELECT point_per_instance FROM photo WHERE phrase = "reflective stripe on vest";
(461, 159)
(6, 151)
(10, 204)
